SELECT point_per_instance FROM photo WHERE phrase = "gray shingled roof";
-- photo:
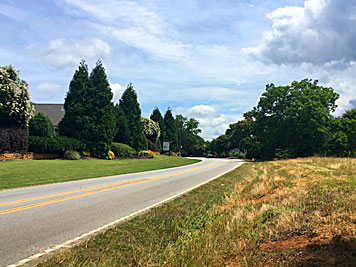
(55, 112)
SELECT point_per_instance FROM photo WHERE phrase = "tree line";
(92, 118)
(292, 121)
(289, 121)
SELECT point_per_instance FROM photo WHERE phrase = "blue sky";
(204, 59)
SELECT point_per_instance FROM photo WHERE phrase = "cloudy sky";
(207, 59)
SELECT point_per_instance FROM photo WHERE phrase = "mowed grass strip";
(298, 212)
(19, 173)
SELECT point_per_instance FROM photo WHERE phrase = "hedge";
(122, 150)
(56, 145)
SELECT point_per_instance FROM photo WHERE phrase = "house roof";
(55, 112)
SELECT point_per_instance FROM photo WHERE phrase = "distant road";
(33, 220)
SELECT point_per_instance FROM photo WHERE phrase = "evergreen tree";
(157, 117)
(171, 130)
(131, 108)
(121, 135)
(99, 129)
(89, 112)
(74, 105)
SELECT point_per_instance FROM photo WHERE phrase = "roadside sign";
(165, 146)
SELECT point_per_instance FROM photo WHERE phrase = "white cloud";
(50, 88)
(117, 90)
(320, 32)
(62, 52)
(136, 26)
(319, 39)
(210, 120)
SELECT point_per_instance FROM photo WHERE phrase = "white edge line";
(106, 226)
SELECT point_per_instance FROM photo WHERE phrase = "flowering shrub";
(15, 106)
(111, 155)
(147, 154)
(151, 129)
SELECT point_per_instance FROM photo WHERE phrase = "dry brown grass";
(298, 212)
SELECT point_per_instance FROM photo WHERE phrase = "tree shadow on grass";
(337, 252)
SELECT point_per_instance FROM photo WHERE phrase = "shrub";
(283, 153)
(41, 125)
(85, 153)
(13, 139)
(122, 150)
(147, 154)
(239, 155)
(111, 155)
(56, 145)
(70, 154)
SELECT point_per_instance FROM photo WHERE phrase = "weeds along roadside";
(289, 213)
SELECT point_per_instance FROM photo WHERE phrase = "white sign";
(165, 146)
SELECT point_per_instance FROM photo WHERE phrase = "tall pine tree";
(89, 112)
(157, 117)
(171, 129)
(131, 108)
(100, 126)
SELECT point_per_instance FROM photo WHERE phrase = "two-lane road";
(34, 220)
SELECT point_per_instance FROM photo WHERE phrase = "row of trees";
(292, 121)
(90, 117)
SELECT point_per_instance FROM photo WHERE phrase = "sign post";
(166, 146)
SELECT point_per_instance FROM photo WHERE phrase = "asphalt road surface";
(33, 220)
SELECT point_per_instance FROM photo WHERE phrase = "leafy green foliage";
(289, 121)
(72, 124)
(72, 155)
(122, 150)
(15, 106)
(56, 145)
(121, 125)
(157, 117)
(294, 117)
(99, 129)
(171, 132)
(13, 139)
(41, 125)
(349, 122)
(131, 108)
(89, 112)
(188, 136)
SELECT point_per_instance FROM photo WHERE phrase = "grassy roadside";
(20, 173)
(297, 212)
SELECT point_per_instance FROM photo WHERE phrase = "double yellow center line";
(97, 189)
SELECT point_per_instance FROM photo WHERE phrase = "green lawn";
(34, 172)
